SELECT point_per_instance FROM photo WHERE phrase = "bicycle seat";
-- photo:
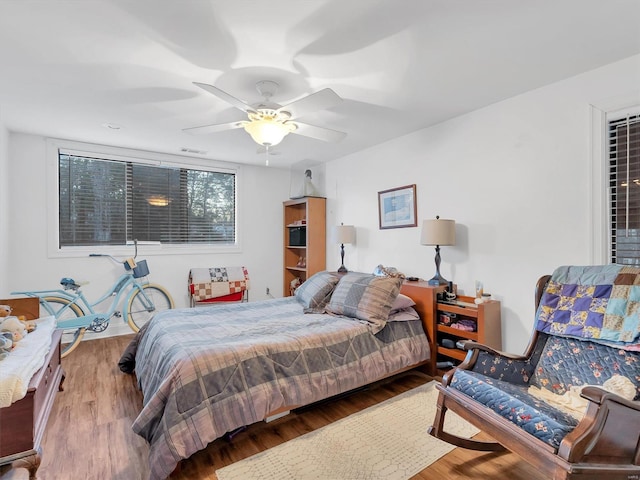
(69, 283)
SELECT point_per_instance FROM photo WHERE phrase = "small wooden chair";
(218, 285)
(490, 389)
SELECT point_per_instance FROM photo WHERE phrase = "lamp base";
(342, 268)
(438, 280)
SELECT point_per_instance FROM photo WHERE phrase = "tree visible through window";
(110, 202)
(624, 183)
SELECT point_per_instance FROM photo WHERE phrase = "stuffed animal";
(382, 271)
(5, 310)
(6, 344)
(15, 327)
(30, 325)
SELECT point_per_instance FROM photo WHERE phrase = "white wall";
(4, 206)
(262, 191)
(515, 176)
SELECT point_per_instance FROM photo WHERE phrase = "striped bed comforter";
(207, 371)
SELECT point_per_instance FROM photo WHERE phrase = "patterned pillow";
(315, 292)
(365, 297)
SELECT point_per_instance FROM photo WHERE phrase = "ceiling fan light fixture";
(266, 129)
(268, 122)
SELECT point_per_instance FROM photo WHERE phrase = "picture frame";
(397, 207)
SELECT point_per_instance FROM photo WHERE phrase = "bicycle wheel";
(139, 311)
(71, 337)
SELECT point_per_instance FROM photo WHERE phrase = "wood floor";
(89, 433)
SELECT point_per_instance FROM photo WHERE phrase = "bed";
(208, 371)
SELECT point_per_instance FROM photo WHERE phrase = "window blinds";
(624, 183)
(110, 202)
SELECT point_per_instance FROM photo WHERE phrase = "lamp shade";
(438, 231)
(345, 234)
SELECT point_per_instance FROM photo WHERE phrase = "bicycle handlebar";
(135, 254)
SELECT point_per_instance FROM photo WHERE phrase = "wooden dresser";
(24, 421)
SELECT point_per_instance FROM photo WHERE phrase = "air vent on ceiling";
(193, 150)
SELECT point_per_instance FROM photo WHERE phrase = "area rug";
(388, 441)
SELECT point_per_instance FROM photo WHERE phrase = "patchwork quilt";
(208, 283)
(599, 303)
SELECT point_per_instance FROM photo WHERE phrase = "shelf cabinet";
(485, 316)
(304, 239)
(483, 319)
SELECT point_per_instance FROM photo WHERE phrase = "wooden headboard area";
(28, 306)
(425, 297)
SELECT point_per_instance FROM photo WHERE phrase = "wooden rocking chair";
(604, 444)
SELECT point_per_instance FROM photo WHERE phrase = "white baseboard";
(116, 327)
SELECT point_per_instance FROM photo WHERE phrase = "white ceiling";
(68, 67)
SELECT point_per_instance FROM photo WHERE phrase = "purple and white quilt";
(599, 303)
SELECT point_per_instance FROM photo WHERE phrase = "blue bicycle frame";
(80, 301)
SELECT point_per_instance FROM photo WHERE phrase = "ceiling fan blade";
(221, 94)
(319, 133)
(321, 100)
(205, 129)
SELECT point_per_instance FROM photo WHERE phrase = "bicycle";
(75, 315)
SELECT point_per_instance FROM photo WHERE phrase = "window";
(111, 202)
(624, 187)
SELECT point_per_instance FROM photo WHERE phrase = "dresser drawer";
(24, 421)
(46, 389)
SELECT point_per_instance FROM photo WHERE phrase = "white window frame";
(600, 116)
(139, 156)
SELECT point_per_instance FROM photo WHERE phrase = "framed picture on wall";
(397, 207)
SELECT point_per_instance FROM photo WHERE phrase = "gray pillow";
(365, 297)
(401, 302)
(315, 292)
(404, 315)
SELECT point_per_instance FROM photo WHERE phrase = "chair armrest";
(493, 363)
(609, 429)
(471, 345)
(599, 396)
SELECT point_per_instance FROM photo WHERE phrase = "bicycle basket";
(141, 269)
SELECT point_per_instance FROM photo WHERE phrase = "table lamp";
(344, 234)
(438, 232)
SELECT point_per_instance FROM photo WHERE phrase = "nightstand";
(483, 319)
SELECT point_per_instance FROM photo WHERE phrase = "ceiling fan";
(268, 152)
(268, 123)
